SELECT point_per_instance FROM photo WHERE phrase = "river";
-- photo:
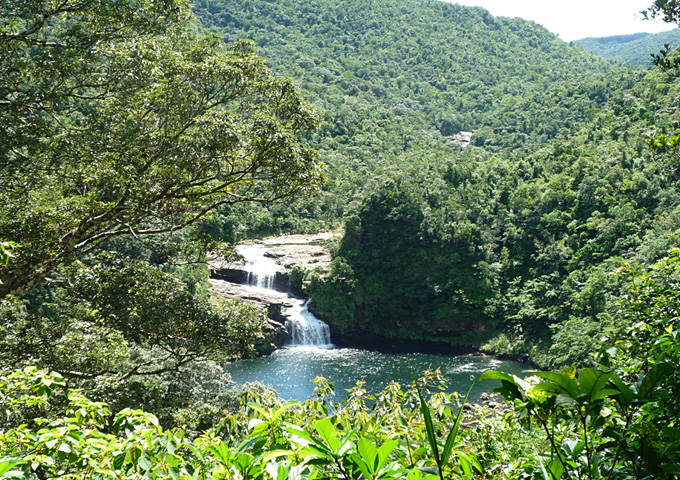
(290, 370)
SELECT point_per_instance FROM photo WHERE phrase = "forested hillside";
(393, 79)
(636, 49)
(517, 233)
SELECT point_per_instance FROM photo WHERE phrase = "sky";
(576, 19)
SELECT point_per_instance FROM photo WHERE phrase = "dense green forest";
(395, 80)
(139, 137)
(509, 243)
(636, 49)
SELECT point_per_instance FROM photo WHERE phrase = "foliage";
(6, 251)
(594, 423)
(620, 420)
(520, 242)
(515, 234)
(394, 101)
(650, 308)
(668, 10)
(267, 439)
(133, 130)
(120, 131)
(616, 420)
(112, 311)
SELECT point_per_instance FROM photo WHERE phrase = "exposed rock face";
(260, 298)
(462, 138)
(306, 251)
(271, 305)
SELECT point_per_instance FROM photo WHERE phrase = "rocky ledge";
(273, 307)
(305, 251)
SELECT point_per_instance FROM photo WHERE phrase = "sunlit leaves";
(282, 442)
(146, 130)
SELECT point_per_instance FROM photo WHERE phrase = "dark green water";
(291, 369)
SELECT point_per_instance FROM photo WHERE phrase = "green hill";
(518, 232)
(635, 49)
(394, 79)
(419, 63)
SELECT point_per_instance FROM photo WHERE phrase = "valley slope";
(508, 243)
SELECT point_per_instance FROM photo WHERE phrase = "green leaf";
(51, 443)
(465, 465)
(144, 462)
(247, 443)
(563, 400)
(606, 392)
(276, 454)
(414, 474)
(369, 454)
(65, 447)
(301, 435)
(118, 461)
(429, 470)
(429, 427)
(625, 395)
(287, 406)
(173, 460)
(258, 408)
(221, 452)
(7, 463)
(171, 446)
(592, 381)
(451, 438)
(566, 384)
(672, 433)
(647, 383)
(556, 468)
(384, 453)
(328, 433)
(512, 387)
(569, 371)
(496, 375)
(362, 465)
(574, 447)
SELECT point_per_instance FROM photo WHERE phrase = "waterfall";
(261, 270)
(303, 327)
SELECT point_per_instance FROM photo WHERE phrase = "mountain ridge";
(634, 49)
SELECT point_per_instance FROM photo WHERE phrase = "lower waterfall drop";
(305, 329)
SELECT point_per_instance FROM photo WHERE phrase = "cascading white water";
(261, 269)
(304, 328)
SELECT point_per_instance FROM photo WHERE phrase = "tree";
(668, 10)
(123, 318)
(115, 120)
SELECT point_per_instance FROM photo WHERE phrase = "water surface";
(290, 370)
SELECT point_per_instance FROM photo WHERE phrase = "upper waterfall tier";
(261, 270)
